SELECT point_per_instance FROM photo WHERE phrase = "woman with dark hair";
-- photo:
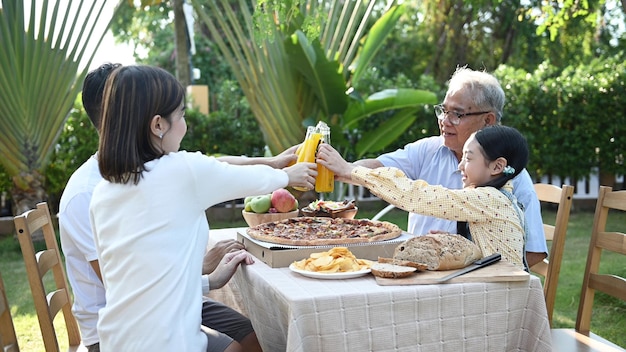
(148, 216)
(491, 157)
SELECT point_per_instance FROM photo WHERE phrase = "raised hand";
(286, 158)
(330, 157)
(302, 175)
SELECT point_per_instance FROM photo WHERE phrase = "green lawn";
(609, 313)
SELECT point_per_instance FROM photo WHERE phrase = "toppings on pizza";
(324, 208)
(328, 206)
(318, 231)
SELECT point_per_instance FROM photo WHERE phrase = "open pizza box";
(281, 256)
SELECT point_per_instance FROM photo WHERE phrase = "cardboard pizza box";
(281, 256)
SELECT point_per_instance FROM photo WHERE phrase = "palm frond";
(263, 71)
(41, 74)
(291, 79)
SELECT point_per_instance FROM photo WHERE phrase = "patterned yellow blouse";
(492, 218)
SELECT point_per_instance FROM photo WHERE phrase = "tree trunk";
(28, 190)
(183, 69)
(26, 193)
(607, 178)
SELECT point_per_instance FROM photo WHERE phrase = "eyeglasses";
(453, 116)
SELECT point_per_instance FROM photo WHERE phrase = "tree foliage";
(292, 80)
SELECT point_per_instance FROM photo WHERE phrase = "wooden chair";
(8, 339)
(38, 264)
(581, 338)
(551, 266)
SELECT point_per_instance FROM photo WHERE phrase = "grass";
(608, 320)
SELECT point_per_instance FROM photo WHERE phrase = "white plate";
(335, 276)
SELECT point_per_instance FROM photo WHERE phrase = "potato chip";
(335, 260)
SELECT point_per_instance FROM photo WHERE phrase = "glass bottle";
(307, 152)
(325, 181)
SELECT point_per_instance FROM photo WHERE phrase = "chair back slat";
(610, 284)
(46, 260)
(612, 241)
(548, 230)
(57, 300)
(37, 266)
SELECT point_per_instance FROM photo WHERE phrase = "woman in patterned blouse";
(492, 156)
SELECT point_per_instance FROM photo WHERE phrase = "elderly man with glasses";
(474, 100)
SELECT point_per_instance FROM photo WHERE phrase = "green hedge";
(574, 120)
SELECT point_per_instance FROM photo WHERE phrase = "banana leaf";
(279, 99)
(320, 74)
(388, 99)
(386, 132)
(374, 41)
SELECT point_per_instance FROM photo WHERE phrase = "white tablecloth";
(294, 313)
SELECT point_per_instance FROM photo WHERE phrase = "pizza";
(320, 231)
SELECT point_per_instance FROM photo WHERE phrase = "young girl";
(148, 216)
(491, 158)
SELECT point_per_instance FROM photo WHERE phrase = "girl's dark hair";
(133, 95)
(499, 141)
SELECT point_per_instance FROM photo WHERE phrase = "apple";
(246, 204)
(261, 204)
(283, 200)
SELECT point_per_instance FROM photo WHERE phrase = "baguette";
(391, 271)
(439, 251)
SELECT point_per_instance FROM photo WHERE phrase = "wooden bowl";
(253, 219)
(346, 214)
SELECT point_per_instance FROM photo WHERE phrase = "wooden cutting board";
(500, 271)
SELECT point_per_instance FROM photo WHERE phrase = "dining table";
(292, 312)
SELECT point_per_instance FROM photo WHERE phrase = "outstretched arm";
(369, 163)
(282, 160)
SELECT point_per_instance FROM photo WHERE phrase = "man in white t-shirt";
(474, 100)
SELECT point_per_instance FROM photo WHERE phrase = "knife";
(481, 263)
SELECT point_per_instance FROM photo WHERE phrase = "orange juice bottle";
(309, 149)
(325, 181)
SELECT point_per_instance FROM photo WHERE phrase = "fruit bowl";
(253, 219)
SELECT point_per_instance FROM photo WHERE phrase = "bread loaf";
(391, 271)
(439, 251)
